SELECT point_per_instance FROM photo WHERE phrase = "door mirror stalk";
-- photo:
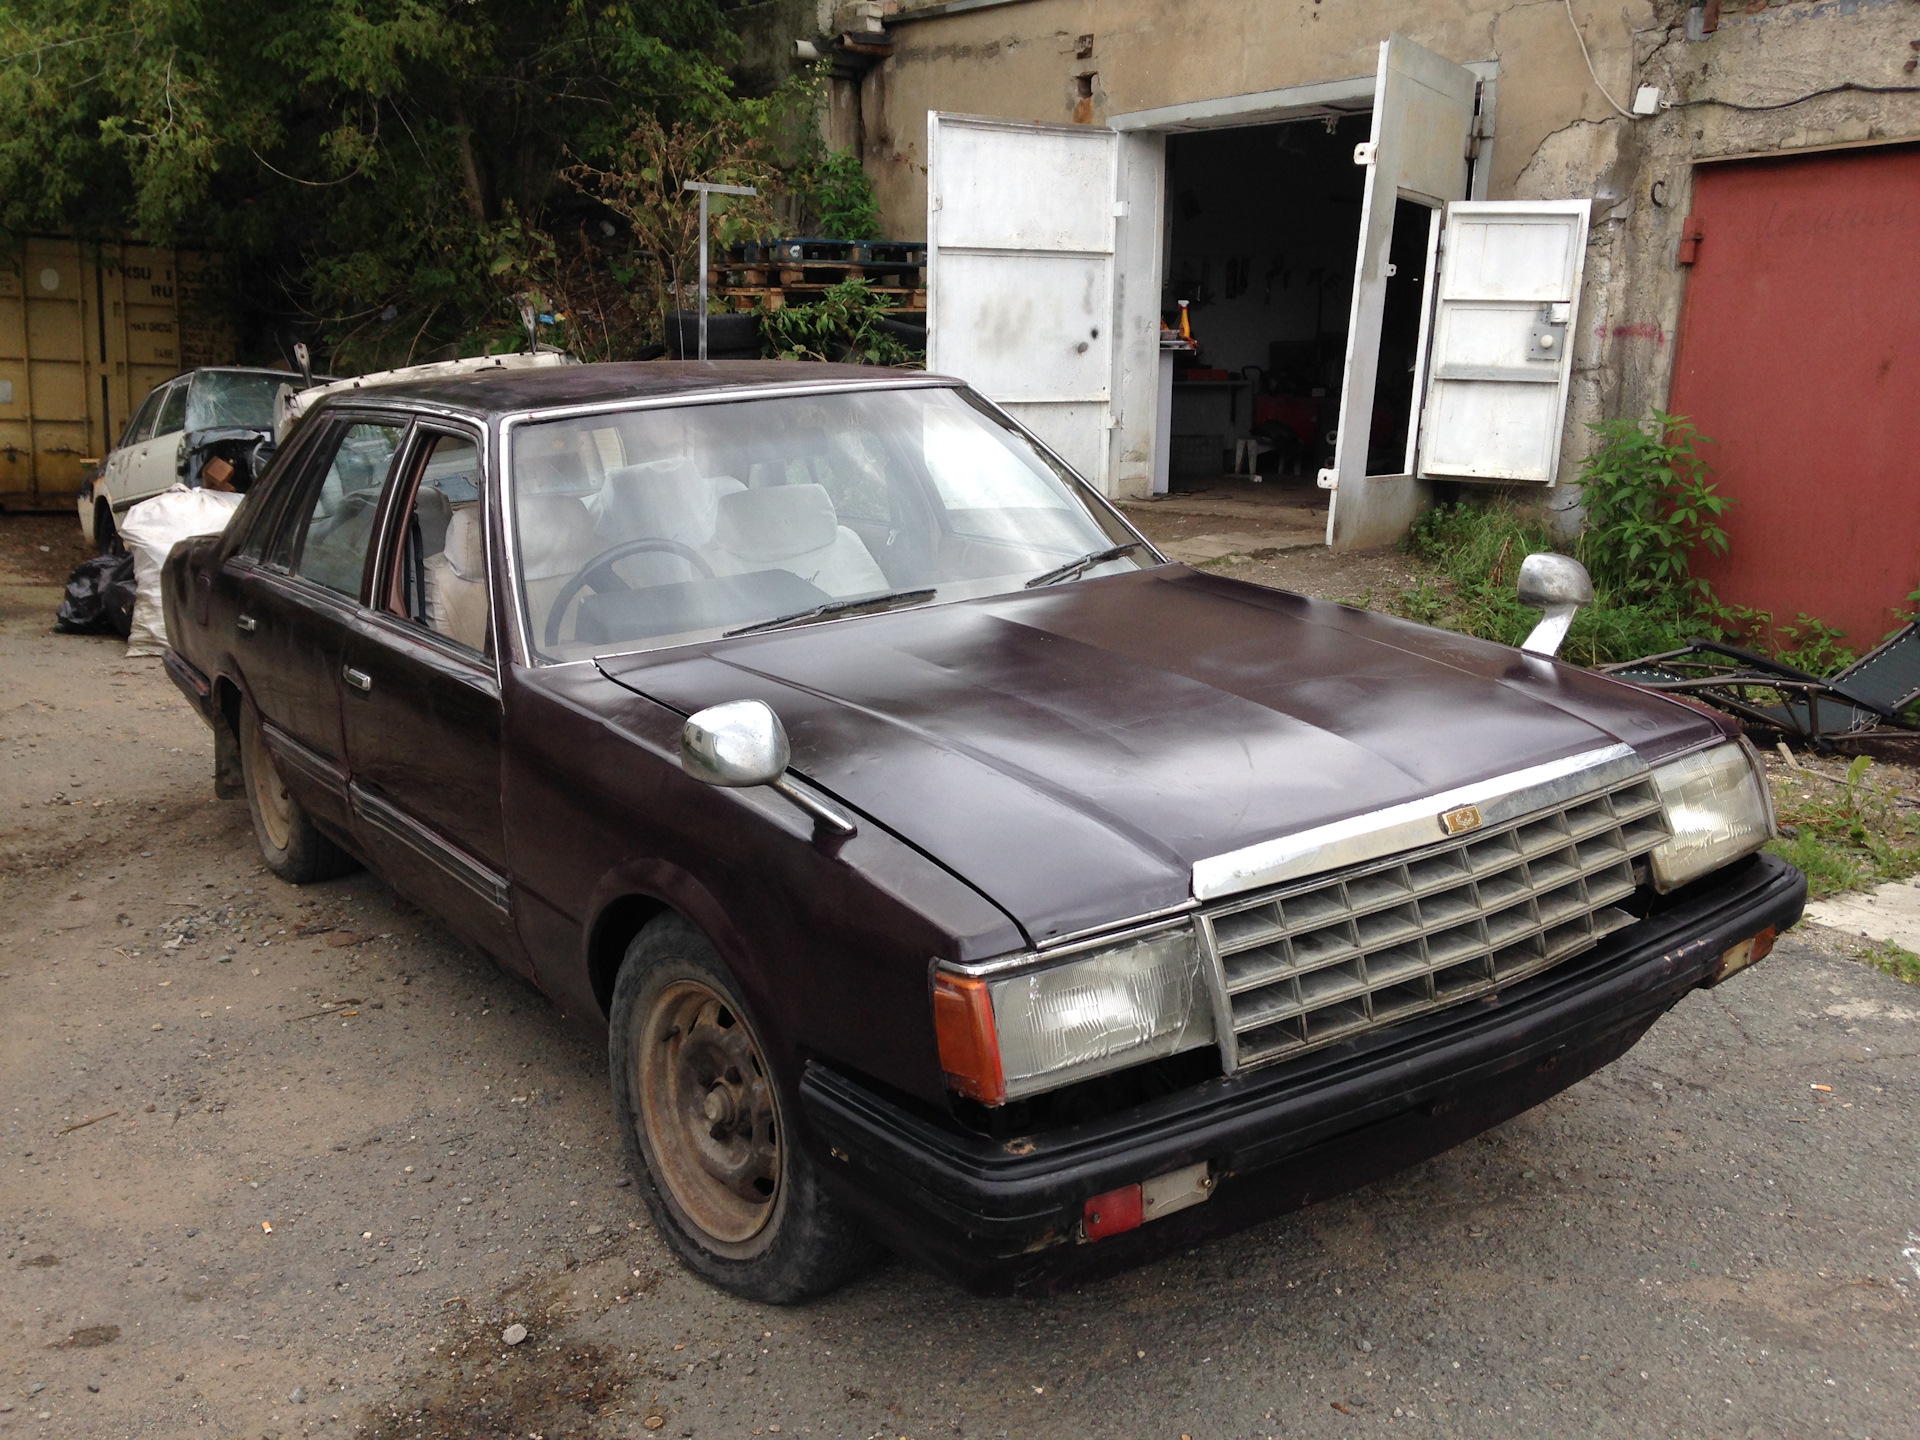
(742, 745)
(1558, 585)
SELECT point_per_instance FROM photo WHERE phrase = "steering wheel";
(599, 574)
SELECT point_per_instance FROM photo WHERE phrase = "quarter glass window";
(340, 522)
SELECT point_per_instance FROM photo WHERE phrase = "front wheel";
(707, 1133)
(293, 849)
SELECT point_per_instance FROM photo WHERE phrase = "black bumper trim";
(979, 1210)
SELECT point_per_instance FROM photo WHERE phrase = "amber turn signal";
(1113, 1212)
(1740, 956)
(969, 1047)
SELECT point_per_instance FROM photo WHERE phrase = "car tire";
(293, 849)
(707, 1130)
(106, 535)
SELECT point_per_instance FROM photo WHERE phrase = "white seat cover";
(456, 581)
(793, 528)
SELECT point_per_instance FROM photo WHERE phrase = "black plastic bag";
(99, 598)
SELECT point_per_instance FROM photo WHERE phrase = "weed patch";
(1477, 550)
(1650, 507)
(1845, 834)
(1895, 960)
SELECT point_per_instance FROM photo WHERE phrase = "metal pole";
(705, 190)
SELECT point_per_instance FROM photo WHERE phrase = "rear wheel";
(707, 1134)
(293, 849)
(106, 535)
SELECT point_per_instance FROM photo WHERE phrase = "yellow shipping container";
(85, 332)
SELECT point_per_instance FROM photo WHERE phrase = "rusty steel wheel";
(707, 1103)
(293, 849)
(726, 1180)
(272, 805)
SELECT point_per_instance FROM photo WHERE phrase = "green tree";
(369, 163)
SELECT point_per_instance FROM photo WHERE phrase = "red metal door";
(1799, 353)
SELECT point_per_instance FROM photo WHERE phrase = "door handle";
(359, 679)
(247, 624)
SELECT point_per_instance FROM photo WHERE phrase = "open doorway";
(1262, 234)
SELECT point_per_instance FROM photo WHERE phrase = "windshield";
(232, 398)
(645, 528)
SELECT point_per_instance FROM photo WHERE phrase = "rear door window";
(337, 525)
(173, 410)
(141, 426)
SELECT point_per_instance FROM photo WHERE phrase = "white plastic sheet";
(151, 529)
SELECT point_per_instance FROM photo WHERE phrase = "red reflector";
(1113, 1212)
(1763, 943)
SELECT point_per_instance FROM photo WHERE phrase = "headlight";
(1720, 809)
(1042, 1026)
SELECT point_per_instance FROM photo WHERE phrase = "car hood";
(1073, 751)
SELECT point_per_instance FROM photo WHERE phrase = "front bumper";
(1001, 1217)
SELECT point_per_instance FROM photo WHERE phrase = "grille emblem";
(1461, 819)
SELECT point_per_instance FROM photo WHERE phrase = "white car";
(224, 413)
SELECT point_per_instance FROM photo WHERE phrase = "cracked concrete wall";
(1556, 135)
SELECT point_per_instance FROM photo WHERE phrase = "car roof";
(488, 393)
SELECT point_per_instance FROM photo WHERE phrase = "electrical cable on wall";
(1839, 89)
(1591, 71)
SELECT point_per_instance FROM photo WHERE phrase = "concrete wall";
(1556, 136)
(767, 30)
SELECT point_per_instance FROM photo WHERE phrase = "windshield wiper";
(1085, 562)
(852, 605)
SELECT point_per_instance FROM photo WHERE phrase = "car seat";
(556, 539)
(666, 499)
(793, 528)
(432, 510)
(457, 581)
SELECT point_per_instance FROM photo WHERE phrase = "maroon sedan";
(946, 870)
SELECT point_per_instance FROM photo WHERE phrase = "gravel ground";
(283, 1161)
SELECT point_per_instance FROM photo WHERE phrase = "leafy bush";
(841, 197)
(843, 324)
(1649, 506)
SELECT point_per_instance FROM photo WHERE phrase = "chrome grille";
(1316, 960)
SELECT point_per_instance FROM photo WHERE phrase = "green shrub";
(1649, 506)
(840, 194)
(844, 323)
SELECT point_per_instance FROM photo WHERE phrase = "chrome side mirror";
(742, 744)
(1559, 585)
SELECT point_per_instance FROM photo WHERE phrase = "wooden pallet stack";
(776, 273)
